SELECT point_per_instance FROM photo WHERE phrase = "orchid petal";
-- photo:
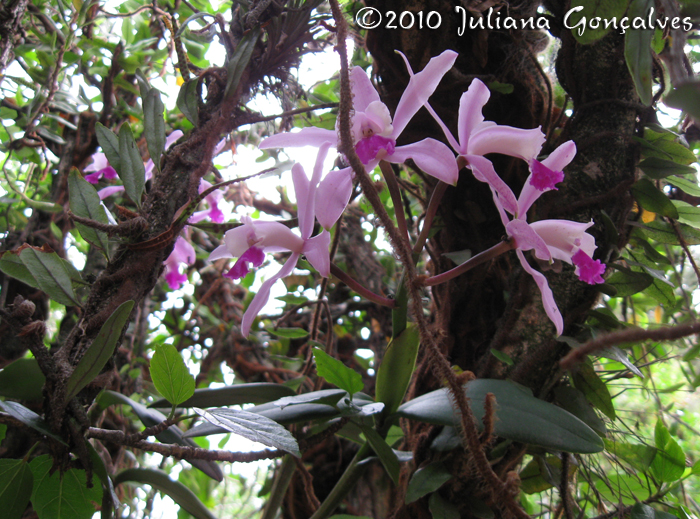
(432, 156)
(507, 140)
(220, 252)
(332, 196)
(561, 157)
(420, 87)
(526, 238)
(550, 306)
(483, 171)
(240, 269)
(363, 91)
(471, 105)
(369, 148)
(183, 252)
(316, 250)
(172, 138)
(564, 237)
(109, 191)
(534, 187)
(587, 269)
(174, 278)
(310, 136)
(99, 162)
(263, 294)
(305, 191)
(275, 237)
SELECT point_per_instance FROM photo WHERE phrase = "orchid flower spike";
(182, 255)
(212, 200)
(548, 239)
(253, 239)
(100, 168)
(375, 133)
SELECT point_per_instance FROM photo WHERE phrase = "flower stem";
(433, 205)
(472, 262)
(364, 292)
(393, 186)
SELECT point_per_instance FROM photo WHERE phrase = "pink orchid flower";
(212, 200)
(253, 239)
(478, 137)
(375, 134)
(101, 168)
(549, 239)
(182, 255)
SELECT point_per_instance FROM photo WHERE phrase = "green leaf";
(110, 145)
(504, 358)
(542, 473)
(254, 393)
(337, 373)
(324, 396)
(132, 172)
(288, 333)
(642, 511)
(154, 125)
(51, 274)
(669, 463)
(685, 97)
(60, 495)
(239, 61)
(638, 456)
(628, 282)
(574, 401)
(170, 374)
(22, 380)
(615, 353)
(99, 352)
(519, 416)
(689, 185)
(443, 509)
(688, 214)
(386, 454)
(589, 383)
(188, 101)
(98, 467)
(16, 482)
(395, 371)
(253, 426)
(160, 481)
(638, 51)
(664, 233)
(29, 417)
(664, 145)
(652, 199)
(85, 202)
(592, 9)
(173, 434)
(657, 168)
(426, 480)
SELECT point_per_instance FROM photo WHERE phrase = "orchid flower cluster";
(323, 199)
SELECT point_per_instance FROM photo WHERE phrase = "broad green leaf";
(663, 232)
(133, 172)
(170, 375)
(652, 199)
(110, 145)
(51, 275)
(64, 495)
(85, 202)
(239, 61)
(154, 125)
(188, 101)
(386, 454)
(542, 473)
(638, 51)
(574, 401)
(664, 145)
(100, 351)
(628, 282)
(22, 380)
(657, 168)
(288, 333)
(669, 463)
(98, 467)
(28, 417)
(426, 480)
(685, 97)
(324, 396)
(160, 481)
(440, 508)
(661, 435)
(253, 426)
(173, 434)
(16, 482)
(589, 383)
(689, 185)
(642, 511)
(615, 353)
(519, 416)
(254, 393)
(337, 373)
(583, 10)
(395, 371)
(688, 214)
(638, 456)
(503, 357)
